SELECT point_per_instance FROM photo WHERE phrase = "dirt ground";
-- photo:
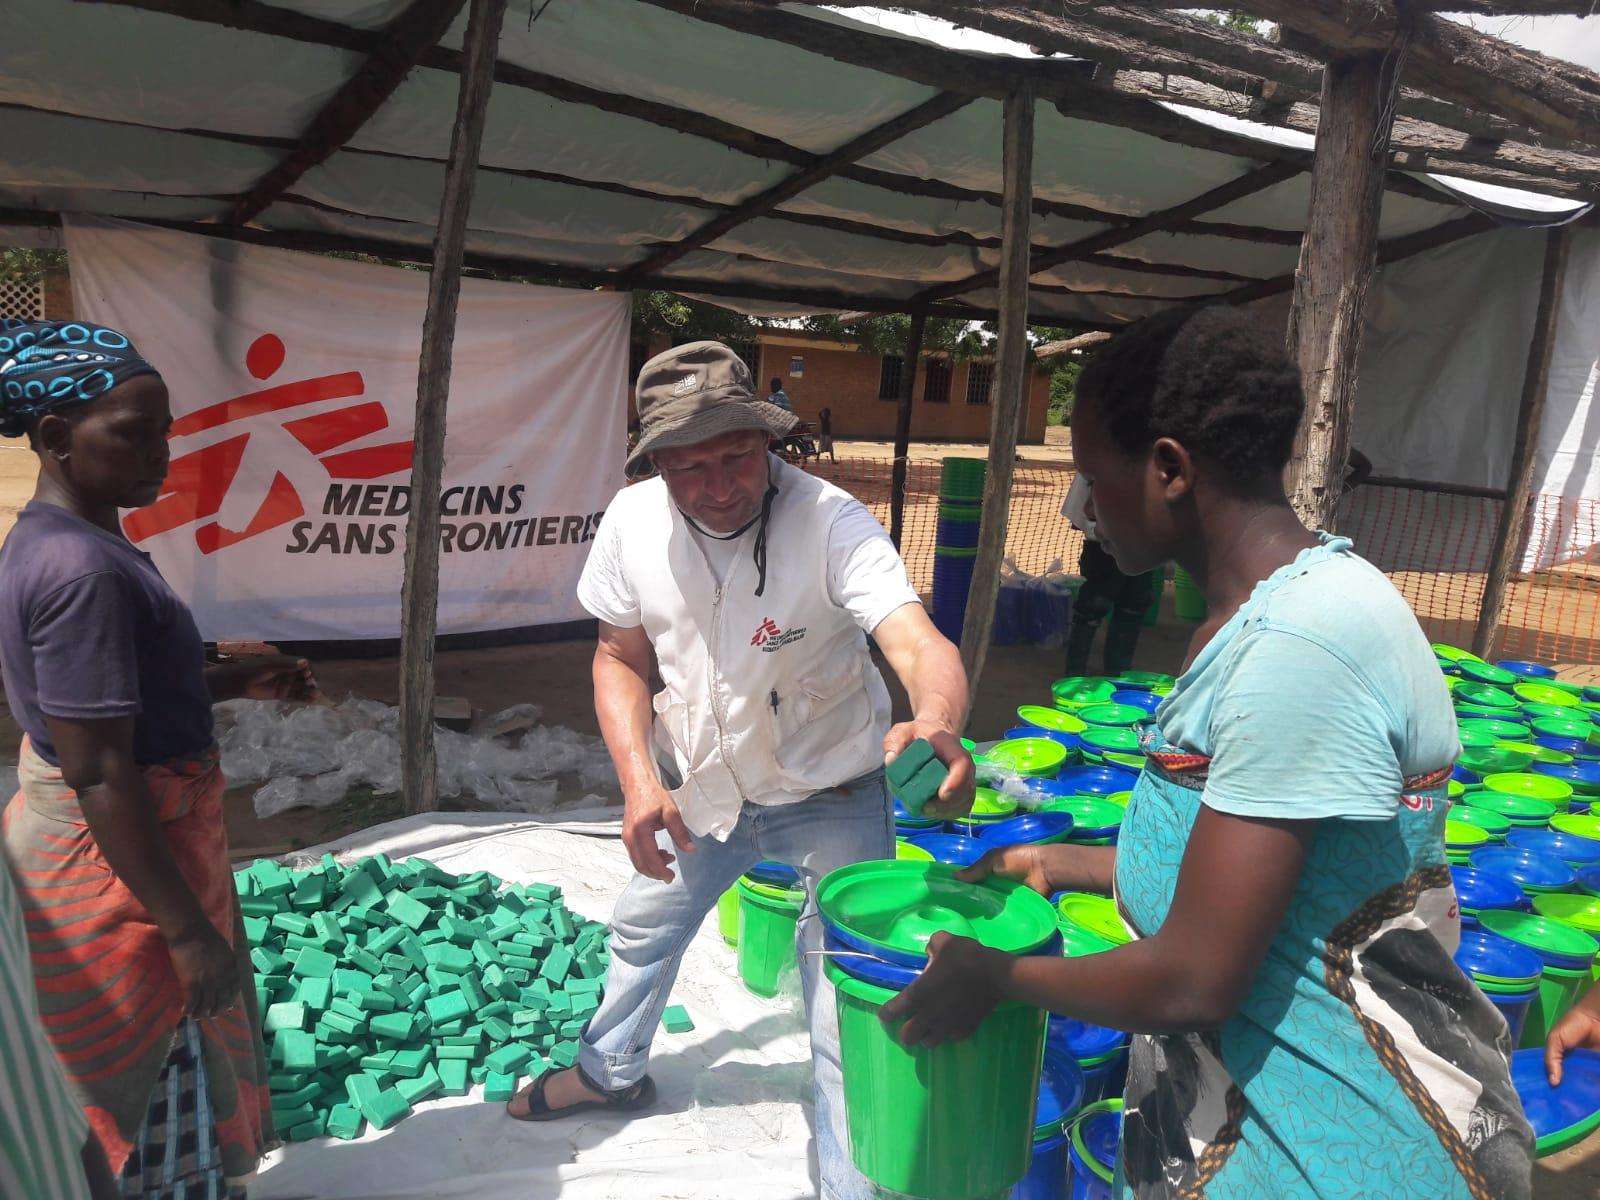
(555, 676)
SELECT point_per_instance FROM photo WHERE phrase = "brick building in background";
(951, 403)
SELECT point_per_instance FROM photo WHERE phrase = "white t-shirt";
(1075, 507)
(866, 576)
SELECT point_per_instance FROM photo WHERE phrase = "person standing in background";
(1105, 591)
(825, 435)
(780, 397)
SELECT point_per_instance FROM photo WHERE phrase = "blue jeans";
(654, 922)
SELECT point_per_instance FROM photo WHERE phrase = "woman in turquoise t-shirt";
(1302, 1029)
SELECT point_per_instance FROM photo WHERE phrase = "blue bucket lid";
(1592, 694)
(1484, 953)
(1580, 773)
(774, 874)
(1094, 780)
(1526, 867)
(951, 847)
(1569, 848)
(864, 966)
(1588, 880)
(1477, 889)
(1528, 670)
(1148, 701)
(904, 820)
(1564, 744)
(1084, 1042)
(1552, 1110)
(1069, 740)
(1464, 776)
(1102, 1134)
(1030, 827)
(1060, 1090)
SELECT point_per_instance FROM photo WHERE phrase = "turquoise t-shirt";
(1362, 1062)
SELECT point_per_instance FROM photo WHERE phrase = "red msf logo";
(199, 482)
(767, 629)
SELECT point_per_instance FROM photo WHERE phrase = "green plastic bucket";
(767, 919)
(1558, 712)
(1095, 915)
(1564, 727)
(963, 514)
(1496, 825)
(1104, 739)
(1188, 601)
(1495, 760)
(1559, 986)
(1076, 941)
(1558, 991)
(1053, 719)
(1545, 694)
(1496, 729)
(1036, 757)
(1486, 695)
(1075, 691)
(728, 915)
(948, 1122)
(1112, 715)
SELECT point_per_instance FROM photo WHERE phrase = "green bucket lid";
(1050, 718)
(1556, 758)
(989, 803)
(1088, 812)
(1479, 671)
(1478, 711)
(1581, 912)
(793, 897)
(1454, 653)
(1028, 756)
(1535, 712)
(1474, 739)
(1076, 941)
(1540, 753)
(1105, 738)
(1085, 1154)
(1584, 825)
(1460, 835)
(1120, 798)
(899, 905)
(1543, 693)
(1146, 680)
(956, 551)
(961, 514)
(1075, 691)
(1134, 762)
(1493, 729)
(1113, 714)
(1494, 761)
(1495, 824)
(1486, 695)
(1556, 792)
(1538, 933)
(906, 852)
(1519, 810)
(1566, 685)
(1564, 727)
(1097, 914)
(1455, 789)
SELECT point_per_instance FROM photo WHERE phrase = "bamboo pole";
(419, 598)
(1511, 532)
(1011, 385)
(1337, 258)
(902, 423)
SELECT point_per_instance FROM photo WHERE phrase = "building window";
(980, 379)
(937, 388)
(889, 377)
(750, 352)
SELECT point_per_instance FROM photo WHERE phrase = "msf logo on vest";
(287, 456)
(769, 638)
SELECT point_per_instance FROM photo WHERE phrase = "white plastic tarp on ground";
(733, 1119)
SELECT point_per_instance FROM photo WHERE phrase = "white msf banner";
(294, 381)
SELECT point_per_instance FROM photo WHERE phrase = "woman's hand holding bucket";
(1048, 869)
(959, 988)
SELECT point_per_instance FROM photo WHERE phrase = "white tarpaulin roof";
(123, 111)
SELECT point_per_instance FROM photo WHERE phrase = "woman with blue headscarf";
(116, 837)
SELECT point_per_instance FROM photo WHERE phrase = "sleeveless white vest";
(768, 699)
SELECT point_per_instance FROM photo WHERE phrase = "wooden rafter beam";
(401, 46)
(764, 202)
(1158, 222)
(1067, 345)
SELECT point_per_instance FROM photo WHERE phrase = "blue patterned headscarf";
(46, 366)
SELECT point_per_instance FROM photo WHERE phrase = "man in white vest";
(752, 587)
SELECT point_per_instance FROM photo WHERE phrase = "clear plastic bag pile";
(312, 755)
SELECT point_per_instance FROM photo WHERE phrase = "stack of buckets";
(758, 916)
(956, 548)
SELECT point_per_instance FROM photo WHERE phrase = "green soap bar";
(314, 964)
(497, 1030)
(462, 933)
(519, 961)
(497, 982)
(419, 1089)
(518, 975)
(361, 890)
(361, 1088)
(346, 980)
(289, 1015)
(269, 962)
(345, 1122)
(298, 942)
(923, 787)
(556, 964)
(472, 1036)
(387, 1107)
(306, 1130)
(286, 1115)
(483, 950)
(542, 891)
(561, 924)
(583, 987)
(447, 1028)
(255, 930)
(499, 1087)
(449, 957)
(385, 940)
(472, 989)
(286, 1081)
(508, 1060)
(260, 907)
(292, 923)
(418, 992)
(296, 1097)
(347, 1025)
(432, 937)
(509, 903)
(449, 1006)
(296, 1049)
(396, 1025)
(479, 1074)
(455, 1078)
(348, 1006)
(676, 1019)
(310, 892)
(373, 1002)
(314, 993)
(411, 947)
(906, 765)
(447, 1052)
(411, 1063)
(365, 959)
(377, 1062)
(503, 927)
(409, 912)
(326, 929)
(564, 1055)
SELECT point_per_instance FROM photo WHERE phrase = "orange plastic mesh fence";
(1435, 548)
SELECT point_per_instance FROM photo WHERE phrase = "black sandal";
(640, 1095)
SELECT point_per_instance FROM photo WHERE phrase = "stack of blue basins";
(1101, 1054)
(1478, 890)
(1508, 974)
(961, 482)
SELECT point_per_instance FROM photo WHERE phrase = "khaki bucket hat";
(693, 393)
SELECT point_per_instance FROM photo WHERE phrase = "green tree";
(29, 265)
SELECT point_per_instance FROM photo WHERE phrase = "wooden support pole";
(1511, 533)
(1011, 384)
(902, 424)
(419, 598)
(1337, 256)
